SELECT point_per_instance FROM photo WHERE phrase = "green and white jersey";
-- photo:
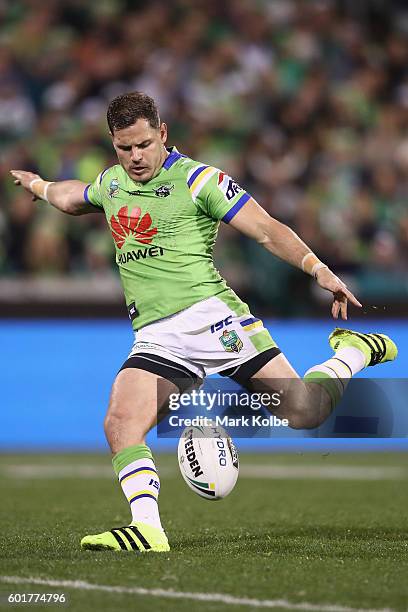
(164, 232)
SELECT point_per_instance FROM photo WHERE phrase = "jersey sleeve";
(216, 193)
(92, 192)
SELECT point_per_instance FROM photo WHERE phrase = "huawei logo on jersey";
(125, 225)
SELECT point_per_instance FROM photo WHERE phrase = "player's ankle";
(151, 521)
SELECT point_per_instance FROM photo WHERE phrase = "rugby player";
(163, 210)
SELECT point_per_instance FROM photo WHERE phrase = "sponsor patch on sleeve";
(228, 187)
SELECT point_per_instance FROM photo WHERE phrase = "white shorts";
(205, 338)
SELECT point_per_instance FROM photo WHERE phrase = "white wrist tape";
(40, 193)
(36, 180)
(46, 190)
(306, 257)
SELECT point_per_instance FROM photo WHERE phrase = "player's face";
(140, 149)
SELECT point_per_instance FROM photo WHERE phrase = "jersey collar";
(171, 159)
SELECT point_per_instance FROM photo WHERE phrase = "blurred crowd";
(305, 103)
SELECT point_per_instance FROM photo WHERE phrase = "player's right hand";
(23, 178)
(341, 294)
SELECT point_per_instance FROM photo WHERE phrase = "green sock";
(333, 375)
(129, 454)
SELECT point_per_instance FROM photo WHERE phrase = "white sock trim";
(353, 357)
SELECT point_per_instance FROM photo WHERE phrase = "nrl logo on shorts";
(231, 342)
(164, 190)
(113, 188)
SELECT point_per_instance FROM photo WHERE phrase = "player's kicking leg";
(132, 412)
(309, 402)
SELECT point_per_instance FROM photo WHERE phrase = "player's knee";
(121, 432)
(123, 428)
(115, 420)
(107, 423)
(109, 426)
(303, 416)
(300, 411)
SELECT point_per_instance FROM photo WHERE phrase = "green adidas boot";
(137, 537)
(377, 348)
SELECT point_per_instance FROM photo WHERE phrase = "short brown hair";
(125, 110)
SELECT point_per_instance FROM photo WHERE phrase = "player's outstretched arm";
(253, 221)
(67, 196)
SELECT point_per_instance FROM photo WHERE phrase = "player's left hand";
(341, 295)
(23, 178)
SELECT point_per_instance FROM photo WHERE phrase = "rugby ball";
(208, 461)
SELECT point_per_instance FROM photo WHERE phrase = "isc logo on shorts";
(217, 326)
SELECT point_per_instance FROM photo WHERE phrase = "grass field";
(318, 532)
